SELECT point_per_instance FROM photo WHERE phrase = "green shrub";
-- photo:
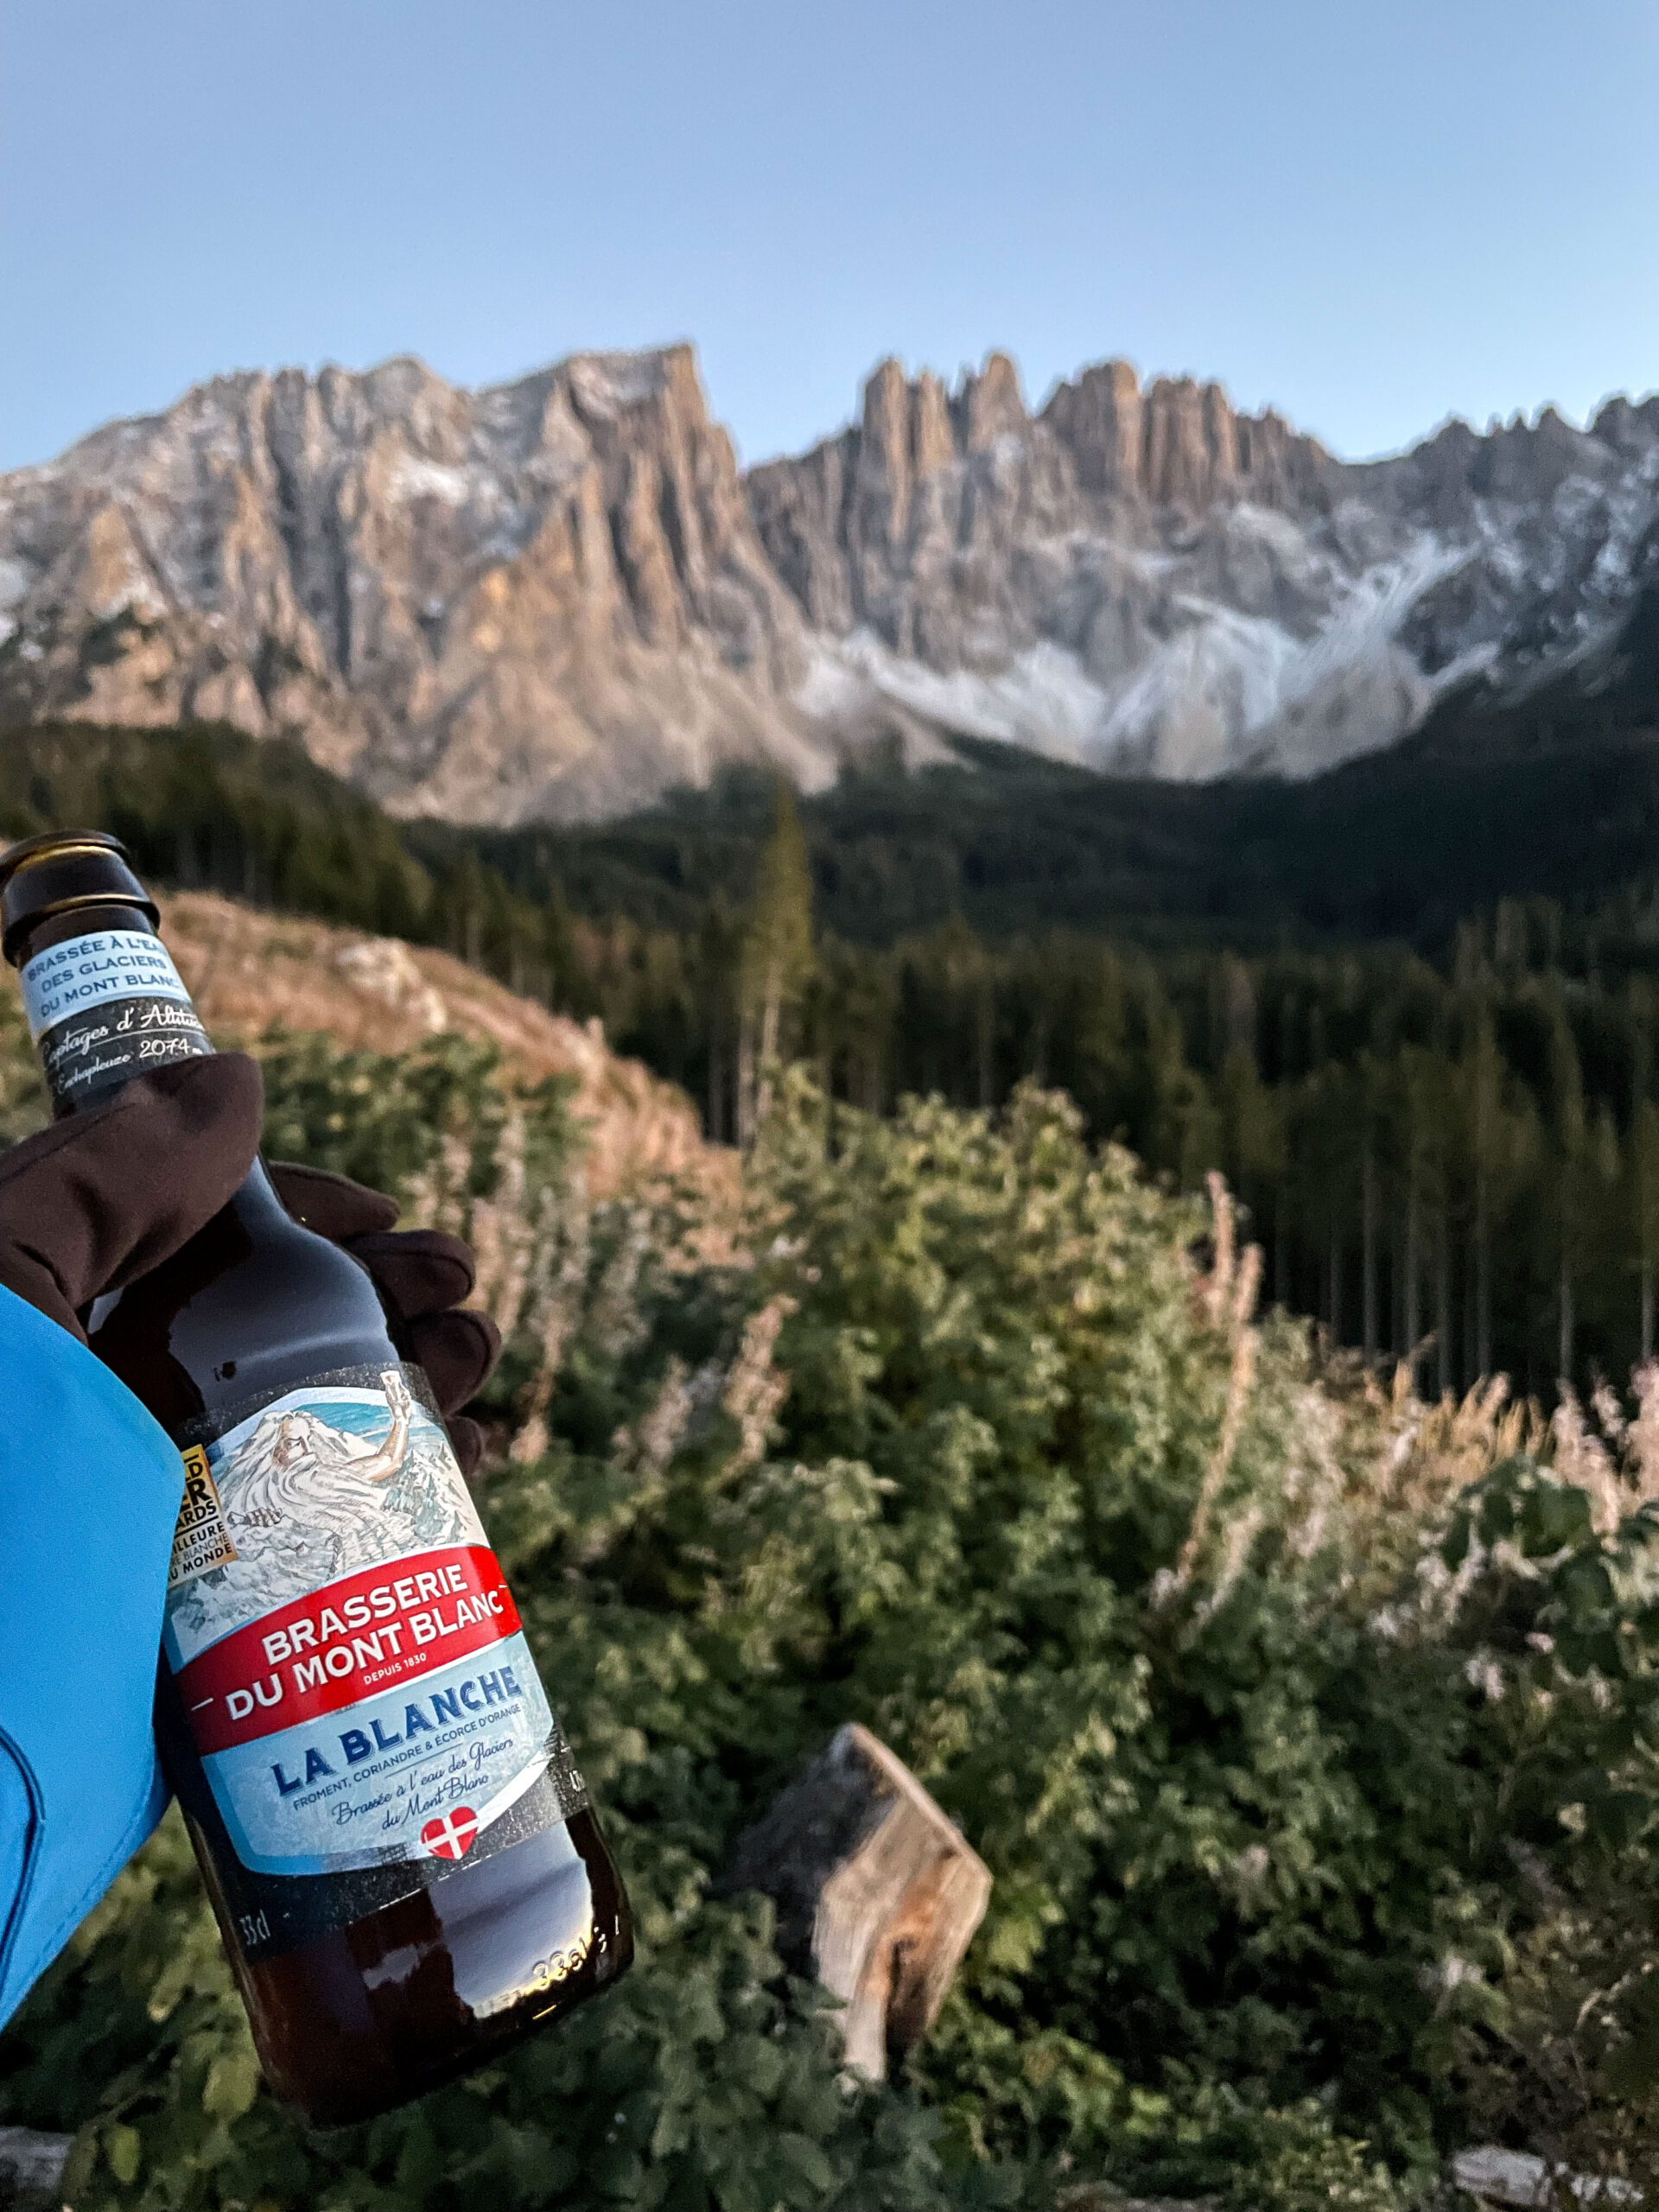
(1256, 1720)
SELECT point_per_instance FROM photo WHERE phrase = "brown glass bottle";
(405, 1870)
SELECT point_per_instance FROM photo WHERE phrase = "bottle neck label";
(105, 1007)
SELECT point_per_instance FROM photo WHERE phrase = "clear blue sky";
(1370, 216)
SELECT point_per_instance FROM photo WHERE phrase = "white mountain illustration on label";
(322, 1483)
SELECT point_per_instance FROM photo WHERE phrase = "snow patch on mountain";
(1226, 692)
(414, 477)
(1043, 697)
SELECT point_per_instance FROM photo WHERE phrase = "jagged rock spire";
(558, 596)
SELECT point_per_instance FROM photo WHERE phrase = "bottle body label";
(350, 1666)
(105, 1007)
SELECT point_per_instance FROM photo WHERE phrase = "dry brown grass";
(1381, 1461)
(247, 970)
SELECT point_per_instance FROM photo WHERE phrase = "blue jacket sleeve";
(89, 1492)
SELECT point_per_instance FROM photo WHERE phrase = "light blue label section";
(84, 972)
(445, 1753)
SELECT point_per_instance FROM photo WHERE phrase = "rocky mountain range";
(556, 598)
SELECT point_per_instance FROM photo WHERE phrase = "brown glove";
(421, 1273)
(101, 1198)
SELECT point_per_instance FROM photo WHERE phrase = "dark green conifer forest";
(1407, 1009)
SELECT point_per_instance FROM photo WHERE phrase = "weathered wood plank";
(31, 2165)
(1517, 2179)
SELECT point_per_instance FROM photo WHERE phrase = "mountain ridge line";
(558, 597)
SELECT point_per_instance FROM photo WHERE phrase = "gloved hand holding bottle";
(397, 1842)
(89, 1482)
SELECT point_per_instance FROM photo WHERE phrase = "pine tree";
(720, 946)
(1483, 1078)
(1571, 1164)
(1644, 1161)
(776, 961)
(1252, 1140)
(1369, 1087)
(1644, 1213)
(463, 899)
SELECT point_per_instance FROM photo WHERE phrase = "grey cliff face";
(556, 598)
(1140, 578)
(544, 599)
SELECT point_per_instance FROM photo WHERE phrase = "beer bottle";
(399, 1849)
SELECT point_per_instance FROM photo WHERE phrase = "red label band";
(348, 1640)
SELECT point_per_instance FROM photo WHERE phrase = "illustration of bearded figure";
(311, 1493)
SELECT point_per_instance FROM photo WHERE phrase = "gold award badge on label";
(200, 1539)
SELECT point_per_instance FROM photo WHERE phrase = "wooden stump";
(878, 1894)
